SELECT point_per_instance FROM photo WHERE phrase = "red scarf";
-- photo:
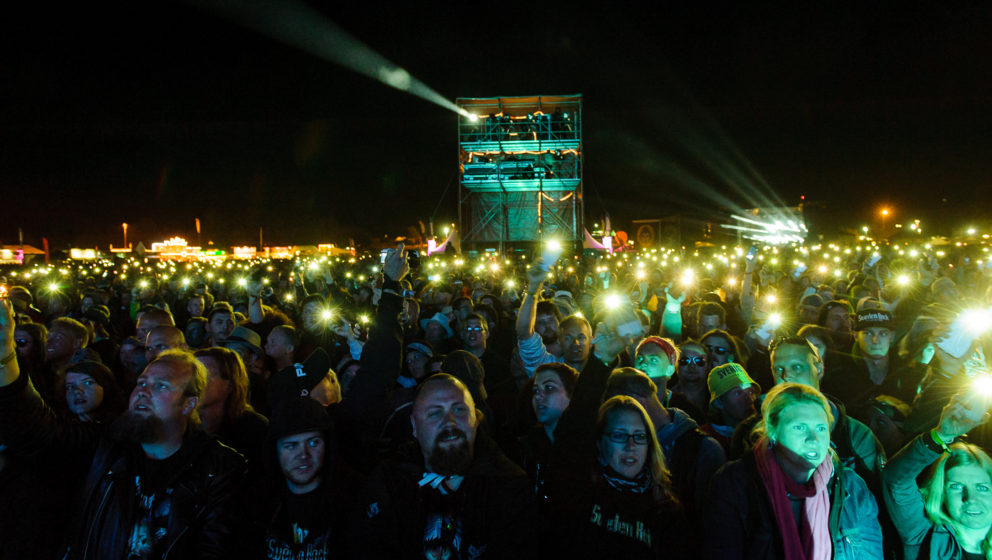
(812, 540)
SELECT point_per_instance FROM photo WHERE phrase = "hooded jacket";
(692, 457)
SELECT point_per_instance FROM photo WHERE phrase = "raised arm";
(9, 370)
(901, 493)
(527, 314)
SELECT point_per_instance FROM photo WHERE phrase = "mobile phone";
(382, 256)
(752, 252)
(4, 293)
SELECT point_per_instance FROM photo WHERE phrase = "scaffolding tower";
(521, 169)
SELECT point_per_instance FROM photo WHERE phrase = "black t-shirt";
(153, 503)
(302, 529)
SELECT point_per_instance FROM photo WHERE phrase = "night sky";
(159, 114)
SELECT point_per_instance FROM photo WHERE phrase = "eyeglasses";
(473, 329)
(692, 360)
(640, 438)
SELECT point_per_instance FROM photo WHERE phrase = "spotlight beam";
(294, 23)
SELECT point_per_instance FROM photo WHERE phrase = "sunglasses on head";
(692, 360)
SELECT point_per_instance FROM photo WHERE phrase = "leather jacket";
(197, 493)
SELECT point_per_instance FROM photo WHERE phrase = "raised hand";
(396, 265)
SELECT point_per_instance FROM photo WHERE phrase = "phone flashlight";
(982, 384)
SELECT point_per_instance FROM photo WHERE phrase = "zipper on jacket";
(99, 514)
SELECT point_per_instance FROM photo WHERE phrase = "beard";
(453, 459)
(137, 428)
(549, 337)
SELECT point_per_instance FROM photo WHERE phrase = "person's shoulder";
(213, 453)
(251, 419)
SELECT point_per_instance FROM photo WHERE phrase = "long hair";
(232, 369)
(961, 455)
(660, 477)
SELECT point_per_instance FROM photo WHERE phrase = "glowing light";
(326, 314)
(771, 298)
(976, 321)
(242, 281)
(363, 319)
(288, 296)
(688, 277)
(982, 384)
(612, 301)
(902, 279)
(53, 287)
(774, 320)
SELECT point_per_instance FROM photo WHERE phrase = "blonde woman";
(950, 516)
(789, 498)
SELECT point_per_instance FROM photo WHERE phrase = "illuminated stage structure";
(774, 226)
(521, 170)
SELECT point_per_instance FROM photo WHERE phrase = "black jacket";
(597, 521)
(493, 508)
(194, 500)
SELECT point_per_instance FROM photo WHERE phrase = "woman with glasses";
(950, 514)
(790, 497)
(624, 508)
(692, 368)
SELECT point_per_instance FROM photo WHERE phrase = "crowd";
(651, 405)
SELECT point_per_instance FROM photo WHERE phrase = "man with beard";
(154, 487)
(451, 495)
